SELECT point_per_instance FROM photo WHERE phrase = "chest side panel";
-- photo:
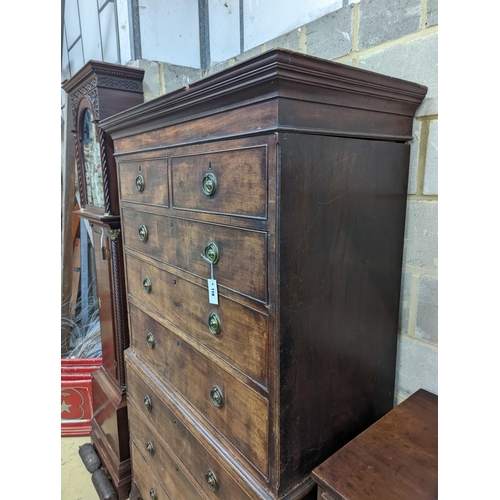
(342, 216)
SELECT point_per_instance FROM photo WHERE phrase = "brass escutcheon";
(211, 480)
(150, 339)
(148, 404)
(214, 323)
(152, 494)
(209, 184)
(146, 284)
(212, 252)
(149, 448)
(139, 183)
(143, 233)
(216, 395)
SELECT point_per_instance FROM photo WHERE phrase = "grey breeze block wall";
(397, 38)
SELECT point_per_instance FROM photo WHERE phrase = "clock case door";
(97, 91)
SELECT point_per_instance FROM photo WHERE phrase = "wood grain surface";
(395, 458)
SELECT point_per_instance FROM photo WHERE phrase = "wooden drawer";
(240, 178)
(242, 254)
(242, 340)
(243, 416)
(195, 458)
(170, 426)
(144, 181)
(173, 484)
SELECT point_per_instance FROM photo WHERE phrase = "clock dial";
(92, 161)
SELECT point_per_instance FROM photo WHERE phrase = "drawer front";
(230, 182)
(201, 465)
(242, 336)
(144, 181)
(241, 415)
(240, 254)
(173, 485)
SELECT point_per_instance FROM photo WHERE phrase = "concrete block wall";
(398, 38)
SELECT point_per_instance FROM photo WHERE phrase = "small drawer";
(238, 334)
(203, 468)
(144, 181)
(173, 484)
(239, 255)
(232, 182)
(232, 407)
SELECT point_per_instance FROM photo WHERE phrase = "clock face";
(92, 161)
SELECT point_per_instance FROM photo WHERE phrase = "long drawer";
(202, 468)
(239, 255)
(173, 484)
(232, 407)
(241, 337)
(227, 182)
(147, 405)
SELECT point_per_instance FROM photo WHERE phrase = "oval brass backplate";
(139, 183)
(217, 398)
(211, 480)
(209, 184)
(146, 284)
(150, 339)
(214, 323)
(212, 252)
(148, 404)
(143, 233)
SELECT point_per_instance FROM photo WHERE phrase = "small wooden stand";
(397, 457)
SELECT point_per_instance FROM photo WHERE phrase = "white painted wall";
(91, 38)
(107, 18)
(170, 31)
(224, 19)
(265, 20)
(123, 22)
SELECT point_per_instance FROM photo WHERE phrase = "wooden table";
(395, 458)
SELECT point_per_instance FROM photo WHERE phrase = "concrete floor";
(76, 480)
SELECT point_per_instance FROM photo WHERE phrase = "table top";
(395, 458)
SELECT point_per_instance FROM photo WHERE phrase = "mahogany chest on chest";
(283, 180)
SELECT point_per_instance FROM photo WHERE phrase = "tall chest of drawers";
(263, 213)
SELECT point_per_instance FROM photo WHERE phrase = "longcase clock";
(97, 91)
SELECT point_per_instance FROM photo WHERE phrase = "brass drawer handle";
(143, 233)
(209, 184)
(152, 494)
(151, 341)
(212, 252)
(139, 183)
(211, 480)
(149, 448)
(148, 404)
(146, 284)
(214, 323)
(216, 395)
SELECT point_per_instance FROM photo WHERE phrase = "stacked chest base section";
(283, 180)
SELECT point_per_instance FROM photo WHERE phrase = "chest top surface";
(276, 91)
